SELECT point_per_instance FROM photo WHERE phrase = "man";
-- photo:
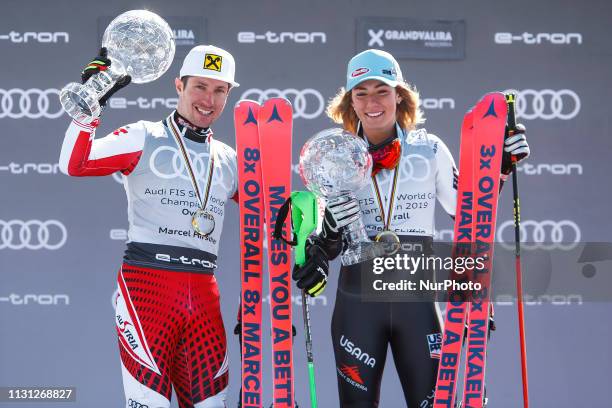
(178, 180)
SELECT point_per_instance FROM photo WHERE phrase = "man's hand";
(312, 275)
(101, 63)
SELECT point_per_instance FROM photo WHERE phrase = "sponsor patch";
(391, 72)
(434, 343)
(351, 375)
(355, 351)
(359, 72)
(213, 62)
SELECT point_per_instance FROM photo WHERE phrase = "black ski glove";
(312, 276)
(101, 63)
(515, 147)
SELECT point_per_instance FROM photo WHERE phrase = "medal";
(202, 222)
(390, 242)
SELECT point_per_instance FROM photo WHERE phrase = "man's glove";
(101, 63)
(312, 275)
(516, 149)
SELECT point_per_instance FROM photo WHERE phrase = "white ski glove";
(340, 212)
(516, 149)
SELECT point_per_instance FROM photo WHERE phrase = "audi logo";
(307, 103)
(33, 234)
(546, 234)
(547, 104)
(30, 103)
(199, 161)
(412, 167)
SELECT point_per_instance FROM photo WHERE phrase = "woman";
(412, 169)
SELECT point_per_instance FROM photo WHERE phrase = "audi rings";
(547, 104)
(412, 167)
(31, 103)
(301, 100)
(199, 161)
(33, 234)
(546, 234)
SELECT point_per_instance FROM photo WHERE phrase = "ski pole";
(304, 221)
(510, 99)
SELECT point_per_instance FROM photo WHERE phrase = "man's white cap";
(209, 61)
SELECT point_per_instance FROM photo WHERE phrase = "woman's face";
(375, 104)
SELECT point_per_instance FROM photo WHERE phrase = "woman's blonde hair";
(408, 114)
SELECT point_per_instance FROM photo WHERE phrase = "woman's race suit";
(362, 330)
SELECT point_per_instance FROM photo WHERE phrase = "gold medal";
(203, 222)
(390, 242)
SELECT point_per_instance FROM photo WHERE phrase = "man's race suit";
(363, 330)
(167, 309)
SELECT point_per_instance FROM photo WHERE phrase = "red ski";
(275, 134)
(250, 193)
(456, 306)
(490, 117)
(477, 194)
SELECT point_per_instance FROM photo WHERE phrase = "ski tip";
(284, 101)
(243, 102)
(494, 95)
(492, 104)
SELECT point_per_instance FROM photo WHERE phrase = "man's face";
(201, 100)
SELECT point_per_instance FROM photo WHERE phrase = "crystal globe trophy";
(336, 163)
(140, 44)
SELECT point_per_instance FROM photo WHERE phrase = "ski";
(250, 200)
(275, 133)
(456, 304)
(489, 123)
(481, 149)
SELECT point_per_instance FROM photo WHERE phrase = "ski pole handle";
(511, 101)
(303, 206)
(304, 216)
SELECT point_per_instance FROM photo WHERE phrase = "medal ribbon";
(386, 220)
(189, 165)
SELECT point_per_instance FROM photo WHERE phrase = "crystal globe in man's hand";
(139, 44)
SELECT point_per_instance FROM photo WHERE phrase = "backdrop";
(61, 238)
